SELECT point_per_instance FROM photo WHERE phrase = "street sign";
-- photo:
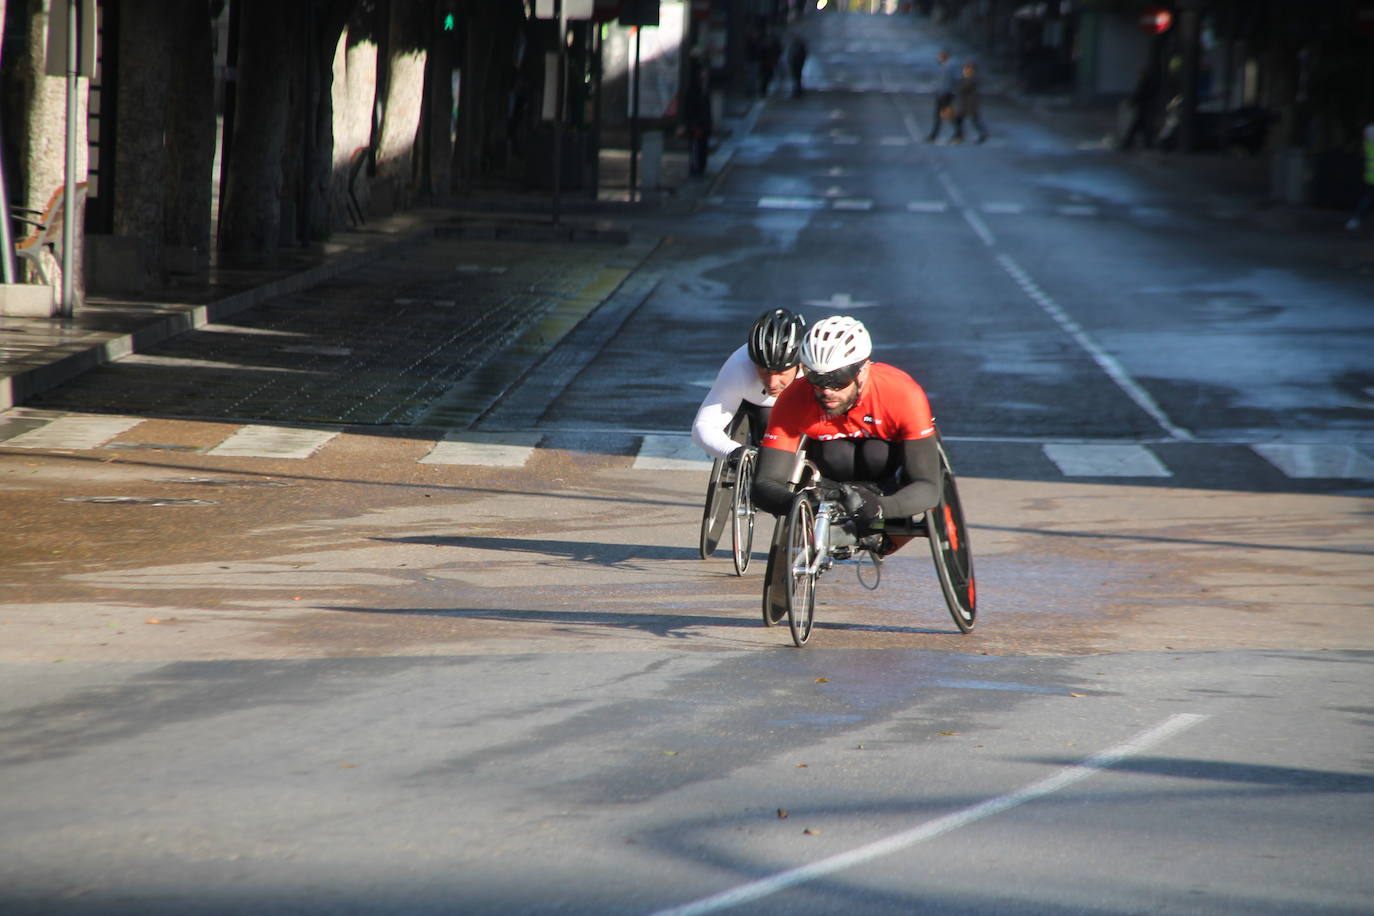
(639, 13)
(572, 9)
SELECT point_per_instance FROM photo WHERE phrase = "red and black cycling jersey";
(892, 407)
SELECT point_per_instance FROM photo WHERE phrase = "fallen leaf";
(152, 620)
(809, 832)
(822, 680)
(782, 812)
(949, 733)
(670, 753)
(348, 766)
(800, 765)
(1079, 695)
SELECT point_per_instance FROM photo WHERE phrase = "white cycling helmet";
(834, 343)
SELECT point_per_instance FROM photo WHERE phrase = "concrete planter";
(28, 300)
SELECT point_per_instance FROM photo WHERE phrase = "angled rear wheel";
(716, 513)
(950, 548)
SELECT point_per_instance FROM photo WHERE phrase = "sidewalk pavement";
(38, 354)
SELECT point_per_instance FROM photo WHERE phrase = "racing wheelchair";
(815, 536)
(730, 501)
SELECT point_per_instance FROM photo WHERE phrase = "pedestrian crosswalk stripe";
(854, 203)
(502, 450)
(272, 442)
(1100, 460)
(670, 453)
(790, 203)
(1307, 461)
(73, 432)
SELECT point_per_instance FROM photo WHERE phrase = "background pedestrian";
(796, 60)
(696, 117)
(966, 105)
(945, 80)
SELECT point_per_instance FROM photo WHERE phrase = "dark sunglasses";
(836, 379)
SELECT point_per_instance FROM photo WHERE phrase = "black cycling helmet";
(775, 340)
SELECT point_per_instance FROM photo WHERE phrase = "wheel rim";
(953, 556)
(743, 515)
(801, 583)
(715, 512)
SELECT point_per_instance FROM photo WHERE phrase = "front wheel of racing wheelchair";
(813, 537)
(729, 499)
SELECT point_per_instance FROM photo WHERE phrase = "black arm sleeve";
(772, 493)
(921, 461)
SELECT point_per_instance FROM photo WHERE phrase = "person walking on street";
(796, 61)
(770, 55)
(696, 117)
(966, 105)
(945, 81)
(1142, 109)
(1367, 199)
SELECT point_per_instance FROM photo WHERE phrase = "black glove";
(732, 459)
(861, 502)
(829, 490)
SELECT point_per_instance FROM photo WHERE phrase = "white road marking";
(980, 228)
(272, 442)
(790, 203)
(1104, 360)
(670, 453)
(1001, 208)
(73, 432)
(1305, 461)
(493, 450)
(1105, 460)
(840, 302)
(852, 203)
(927, 206)
(756, 890)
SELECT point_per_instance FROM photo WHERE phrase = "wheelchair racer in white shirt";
(735, 412)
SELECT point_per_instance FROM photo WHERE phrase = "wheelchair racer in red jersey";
(867, 427)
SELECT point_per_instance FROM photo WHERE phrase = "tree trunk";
(259, 161)
(405, 87)
(191, 120)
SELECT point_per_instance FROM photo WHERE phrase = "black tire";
(799, 554)
(742, 511)
(774, 580)
(951, 550)
(716, 513)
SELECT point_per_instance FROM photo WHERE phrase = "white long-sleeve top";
(735, 382)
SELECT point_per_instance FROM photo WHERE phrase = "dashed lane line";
(1309, 461)
(504, 450)
(1105, 460)
(273, 442)
(73, 433)
(670, 453)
